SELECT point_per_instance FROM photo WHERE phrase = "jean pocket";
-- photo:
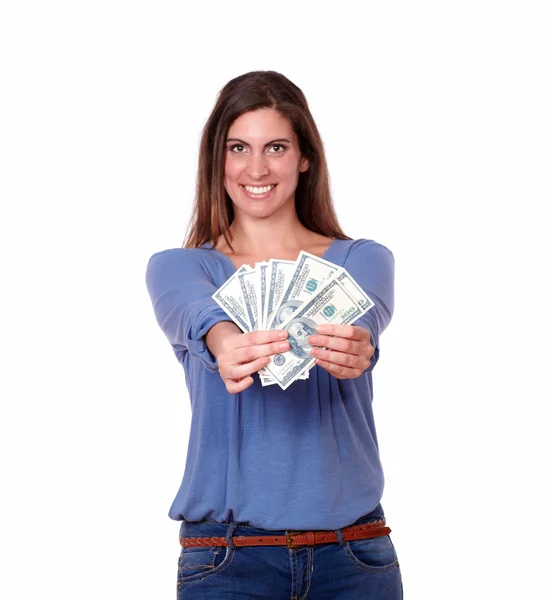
(372, 554)
(200, 562)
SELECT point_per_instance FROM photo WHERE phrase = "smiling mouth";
(259, 190)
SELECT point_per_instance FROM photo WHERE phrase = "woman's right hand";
(242, 354)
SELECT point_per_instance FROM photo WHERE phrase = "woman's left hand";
(348, 349)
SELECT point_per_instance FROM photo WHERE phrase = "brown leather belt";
(292, 539)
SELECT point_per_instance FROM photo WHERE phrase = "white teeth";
(259, 190)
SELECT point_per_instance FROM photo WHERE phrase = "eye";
(237, 148)
(281, 148)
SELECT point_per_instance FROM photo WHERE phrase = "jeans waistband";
(214, 529)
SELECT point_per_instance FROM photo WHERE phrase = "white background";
(436, 122)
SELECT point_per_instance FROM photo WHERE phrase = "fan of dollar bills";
(296, 296)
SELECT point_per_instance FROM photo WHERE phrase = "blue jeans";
(359, 569)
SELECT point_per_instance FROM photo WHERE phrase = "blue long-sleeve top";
(304, 458)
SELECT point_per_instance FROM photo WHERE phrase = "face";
(262, 164)
(285, 313)
(300, 332)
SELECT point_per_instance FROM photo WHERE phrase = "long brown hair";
(213, 209)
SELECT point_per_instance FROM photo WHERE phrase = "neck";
(268, 236)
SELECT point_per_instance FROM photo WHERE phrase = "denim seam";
(214, 554)
(214, 571)
(308, 567)
(365, 567)
(294, 577)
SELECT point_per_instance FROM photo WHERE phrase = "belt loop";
(340, 537)
(229, 535)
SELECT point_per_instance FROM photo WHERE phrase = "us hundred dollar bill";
(262, 279)
(236, 298)
(261, 290)
(253, 287)
(230, 298)
(350, 285)
(251, 290)
(333, 304)
(308, 277)
(278, 278)
(269, 380)
(247, 281)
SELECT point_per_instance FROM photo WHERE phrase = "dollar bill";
(333, 304)
(278, 275)
(283, 269)
(261, 285)
(247, 281)
(237, 298)
(309, 275)
(258, 282)
(230, 298)
(266, 379)
(351, 286)
(269, 380)
(278, 278)
(361, 298)
(275, 295)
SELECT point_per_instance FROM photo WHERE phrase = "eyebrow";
(268, 144)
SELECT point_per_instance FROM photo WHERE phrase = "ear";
(304, 165)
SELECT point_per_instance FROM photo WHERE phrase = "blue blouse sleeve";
(372, 266)
(180, 290)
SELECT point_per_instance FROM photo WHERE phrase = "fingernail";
(284, 346)
(321, 328)
(282, 334)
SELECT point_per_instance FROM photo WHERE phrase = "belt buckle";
(290, 543)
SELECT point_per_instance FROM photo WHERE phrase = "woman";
(263, 462)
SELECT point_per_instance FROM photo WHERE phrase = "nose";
(257, 167)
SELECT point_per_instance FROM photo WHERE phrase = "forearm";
(218, 333)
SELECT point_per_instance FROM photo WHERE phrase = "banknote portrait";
(285, 311)
(299, 332)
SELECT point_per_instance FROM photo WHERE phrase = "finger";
(339, 358)
(256, 338)
(250, 353)
(337, 343)
(353, 332)
(239, 371)
(339, 371)
(234, 387)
